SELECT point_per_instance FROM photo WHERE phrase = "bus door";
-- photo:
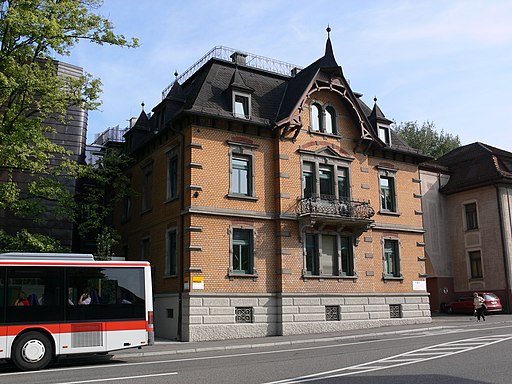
(3, 328)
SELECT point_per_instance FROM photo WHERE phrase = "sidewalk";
(439, 322)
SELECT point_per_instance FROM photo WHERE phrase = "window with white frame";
(323, 119)
(475, 263)
(242, 251)
(241, 105)
(391, 258)
(330, 120)
(384, 134)
(172, 173)
(316, 117)
(388, 201)
(328, 254)
(241, 175)
(471, 216)
(171, 262)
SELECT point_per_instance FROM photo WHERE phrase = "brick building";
(272, 200)
(467, 197)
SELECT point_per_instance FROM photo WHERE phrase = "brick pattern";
(279, 258)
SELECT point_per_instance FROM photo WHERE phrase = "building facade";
(71, 134)
(467, 199)
(271, 201)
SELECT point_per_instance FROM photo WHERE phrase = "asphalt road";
(462, 355)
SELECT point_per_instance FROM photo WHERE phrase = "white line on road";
(459, 346)
(228, 356)
(119, 378)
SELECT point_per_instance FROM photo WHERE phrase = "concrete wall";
(212, 317)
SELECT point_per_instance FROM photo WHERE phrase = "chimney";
(294, 71)
(239, 58)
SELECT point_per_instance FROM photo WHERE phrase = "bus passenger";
(85, 299)
(22, 300)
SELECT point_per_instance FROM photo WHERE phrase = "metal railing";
(225, 53)
(331, 206)
(114, 134)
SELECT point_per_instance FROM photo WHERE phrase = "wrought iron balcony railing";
(331, 206)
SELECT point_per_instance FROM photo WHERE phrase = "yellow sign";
(197, 282)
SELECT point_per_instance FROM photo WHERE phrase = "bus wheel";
(32, 351)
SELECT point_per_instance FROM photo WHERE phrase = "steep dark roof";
(299, 85)
(213, 96)
(476, 165)
(275, 98)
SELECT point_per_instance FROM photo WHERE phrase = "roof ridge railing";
(225, 53)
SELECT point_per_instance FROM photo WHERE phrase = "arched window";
(330, 120)
(316, 117)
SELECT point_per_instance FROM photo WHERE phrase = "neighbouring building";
(467, 203)
(272, 201)
(70, 133)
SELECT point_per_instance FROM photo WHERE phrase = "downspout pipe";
(181, 231)
(506, 257)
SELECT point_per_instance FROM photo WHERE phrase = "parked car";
(464, 304)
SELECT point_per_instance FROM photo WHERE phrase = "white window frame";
(384, 133)
(247, 97)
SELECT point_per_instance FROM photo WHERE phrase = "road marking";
(404, 336)
(407, 358)
(120, 378)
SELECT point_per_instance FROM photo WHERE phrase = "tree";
(427, 139)
(32, 95)
(105, 185)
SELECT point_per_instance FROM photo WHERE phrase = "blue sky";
(448, 62)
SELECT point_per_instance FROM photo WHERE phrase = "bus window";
(33, 294)
(114, 293)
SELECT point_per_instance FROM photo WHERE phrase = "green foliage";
(33, 95)
(105, 185)
(427, 139)
(28, 242)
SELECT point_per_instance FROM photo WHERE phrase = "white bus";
(55, 304)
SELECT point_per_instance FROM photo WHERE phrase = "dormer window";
(316, 117)
(241, 105)
(323, 119)
(384, 134)
(330, 120)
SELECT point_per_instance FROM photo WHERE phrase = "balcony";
(329, 210)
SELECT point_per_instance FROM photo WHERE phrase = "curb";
(292, 342)
(272, 344)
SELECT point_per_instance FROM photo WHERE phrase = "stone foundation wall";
(214, 318)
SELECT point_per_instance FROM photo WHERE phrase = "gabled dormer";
(305, 86)
(381, 124)
(239, 91)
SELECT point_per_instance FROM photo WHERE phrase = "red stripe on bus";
(13, 330)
